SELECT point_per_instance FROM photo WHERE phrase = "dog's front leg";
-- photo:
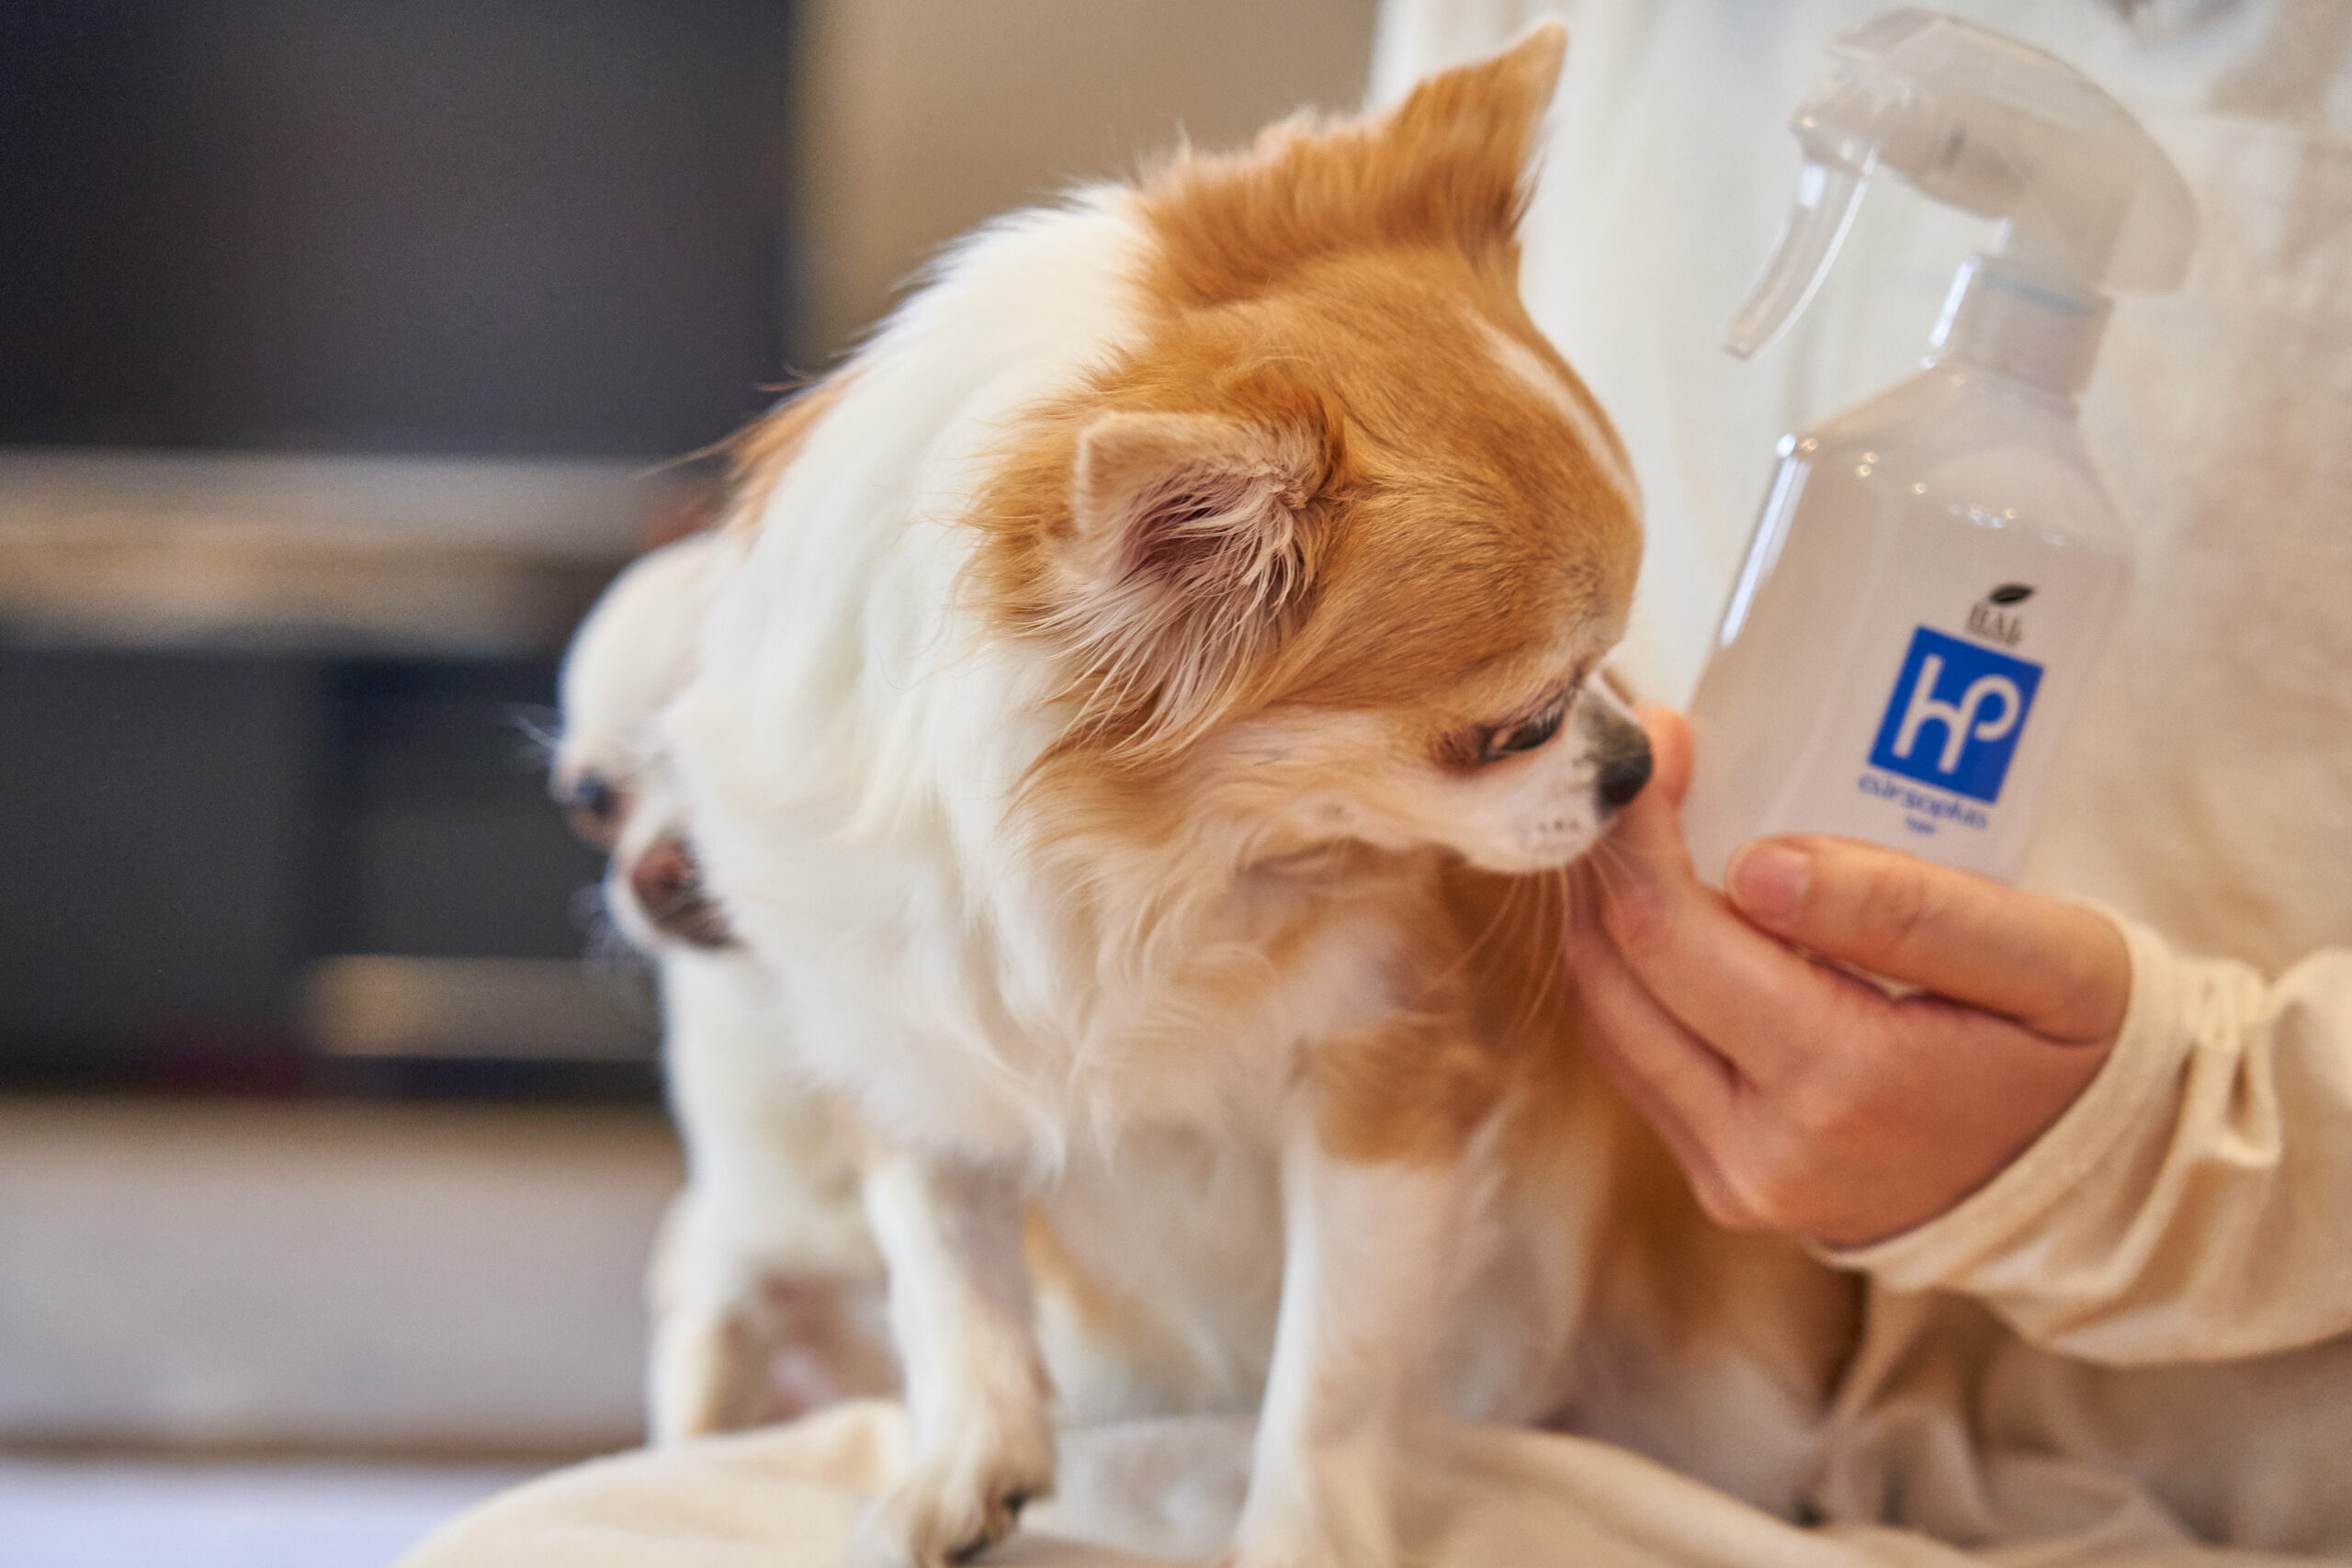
(975, 1386)
(764, 1278)
(1371, 1247)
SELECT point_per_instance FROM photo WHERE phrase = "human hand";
(1795, 1095)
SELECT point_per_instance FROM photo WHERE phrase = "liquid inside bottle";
(1923, 603)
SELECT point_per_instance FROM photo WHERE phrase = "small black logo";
(1995, 617)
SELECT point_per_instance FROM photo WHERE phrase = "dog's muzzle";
(667, 885)
(1622, 762)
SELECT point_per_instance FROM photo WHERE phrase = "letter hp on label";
(1955, 715)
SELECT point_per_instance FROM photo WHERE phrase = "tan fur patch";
(1502, 1032)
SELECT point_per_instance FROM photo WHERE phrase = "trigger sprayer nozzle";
(1978, 121)
(1827, 197)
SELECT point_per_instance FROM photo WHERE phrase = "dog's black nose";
(1625, 771)
(667, 883)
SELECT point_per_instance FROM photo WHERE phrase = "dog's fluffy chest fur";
(1004, 1004)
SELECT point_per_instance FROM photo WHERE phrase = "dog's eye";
(593, 809)
(1509, 740)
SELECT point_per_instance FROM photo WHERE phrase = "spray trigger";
(1827, 197)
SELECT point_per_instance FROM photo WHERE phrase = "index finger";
(1760, 1004)
(2058, 969)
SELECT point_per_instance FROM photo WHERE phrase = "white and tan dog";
(765, 1287)
(1141, 741)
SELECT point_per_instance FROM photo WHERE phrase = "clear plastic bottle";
(1935, 571)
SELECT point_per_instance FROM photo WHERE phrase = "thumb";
(1670, 734)
(1650, 825)
(2061, 970)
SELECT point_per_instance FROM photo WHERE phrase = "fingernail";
(1768, 880)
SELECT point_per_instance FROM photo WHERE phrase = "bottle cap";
(1998, 315)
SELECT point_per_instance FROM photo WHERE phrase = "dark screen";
(451, 226)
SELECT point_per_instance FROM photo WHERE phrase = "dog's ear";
(1464, 141)
(1186, 557)
(1450, 165)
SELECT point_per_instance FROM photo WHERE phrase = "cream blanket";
(1158, 1491)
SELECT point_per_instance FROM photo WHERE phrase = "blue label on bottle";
(1955, 715)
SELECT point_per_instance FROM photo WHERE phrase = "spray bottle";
(1935, 570)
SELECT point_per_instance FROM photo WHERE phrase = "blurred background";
(346, 348)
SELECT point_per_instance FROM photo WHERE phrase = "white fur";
(1367, 1272)
(631, 654)
(975, 1386)
(853, 743)
(770, 1286)
(1579, 410)
(1181, 1234)
(764, 1272)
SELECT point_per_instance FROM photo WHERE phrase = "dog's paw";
(960, 1498)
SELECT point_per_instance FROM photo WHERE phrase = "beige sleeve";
(2195, 1203)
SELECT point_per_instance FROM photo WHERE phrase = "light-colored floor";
(337, 1279)
(326, 1277)
(118, 1513)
